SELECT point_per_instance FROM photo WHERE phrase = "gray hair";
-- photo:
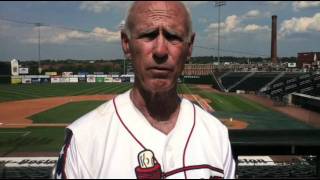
(127, 30)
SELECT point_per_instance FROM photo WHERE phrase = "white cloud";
(233, 24)
(252, 14)
(54, 36)
(300, 25)
(300, 5)
(103, 6)
(106, 35)
(254, 27)
(229, 25)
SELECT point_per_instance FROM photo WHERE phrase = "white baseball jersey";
(111, 142)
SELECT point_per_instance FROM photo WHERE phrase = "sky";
(91, 30)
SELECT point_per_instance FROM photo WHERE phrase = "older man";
(149, 132)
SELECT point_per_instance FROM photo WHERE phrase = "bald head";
(157, 10)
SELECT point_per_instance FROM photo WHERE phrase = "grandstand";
(275, 84)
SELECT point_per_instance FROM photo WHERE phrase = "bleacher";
(256, 82)
(304, 83)
(299, 170)
(287, 77)
(232, 78)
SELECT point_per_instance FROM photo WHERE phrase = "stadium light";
(39, 63)
(219, 4)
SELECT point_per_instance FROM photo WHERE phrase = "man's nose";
(160, 53)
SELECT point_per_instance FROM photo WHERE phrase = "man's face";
(159, 45)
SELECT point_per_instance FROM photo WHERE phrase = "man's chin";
(160, 85)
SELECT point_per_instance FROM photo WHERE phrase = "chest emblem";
(148, 167)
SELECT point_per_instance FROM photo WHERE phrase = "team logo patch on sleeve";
(60, 168)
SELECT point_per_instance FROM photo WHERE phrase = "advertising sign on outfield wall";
(99, 79)
(23, 70)
(116, 80)
(67, 74)
(26, 80)
(292, 65)
(51, 73)
(108, 79)
(64, 80)
(91, 79)
(82, 79)
(35, 80)
(45, 80)
(16, 80)
(73, 80)
(55, 80)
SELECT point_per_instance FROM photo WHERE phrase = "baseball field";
(33, 116)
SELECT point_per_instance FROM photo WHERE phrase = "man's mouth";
(160, 72)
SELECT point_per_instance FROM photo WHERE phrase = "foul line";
(195, 98)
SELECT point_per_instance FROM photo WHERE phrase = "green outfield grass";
(51, 139)
(31, 91)
(228, 106)
(66, 113)
(38, 139)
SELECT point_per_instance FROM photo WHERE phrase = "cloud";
(300, 5)
(233, 24)
(103, 6)
(230, 24)
(50, 35)
(106, 35)
(252, 14)
(254, 27)
(300, 25)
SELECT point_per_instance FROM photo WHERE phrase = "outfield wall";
(36, 79)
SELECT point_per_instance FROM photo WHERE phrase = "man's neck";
(160, 109)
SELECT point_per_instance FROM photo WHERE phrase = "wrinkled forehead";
(165, 12)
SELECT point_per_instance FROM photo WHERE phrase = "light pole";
(39, 64)
(219, 4)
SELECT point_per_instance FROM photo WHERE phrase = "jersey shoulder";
(98, 119)
(93, 119)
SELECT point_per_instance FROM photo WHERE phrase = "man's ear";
(190, 44)
(125, 45)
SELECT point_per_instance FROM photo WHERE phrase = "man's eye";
(173, 38)
(149, 36)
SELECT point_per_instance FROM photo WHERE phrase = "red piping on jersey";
(184, 169)
(188, 168)
(185, 148)
(114, 103)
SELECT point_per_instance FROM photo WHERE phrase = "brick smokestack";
(274, 58)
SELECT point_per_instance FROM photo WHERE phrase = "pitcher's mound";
(234, 123)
